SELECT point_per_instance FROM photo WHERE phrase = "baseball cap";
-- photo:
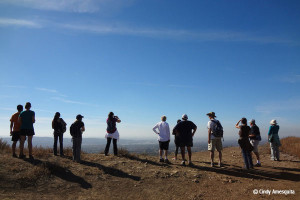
(184, 116)
(79, 116)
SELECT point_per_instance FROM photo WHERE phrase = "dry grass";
(291, 145)
(4, 147)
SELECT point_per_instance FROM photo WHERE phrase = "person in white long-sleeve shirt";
(163, 138)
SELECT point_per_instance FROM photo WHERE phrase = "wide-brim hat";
(273, 122)
(211, 114)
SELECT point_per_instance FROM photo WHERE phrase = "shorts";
(164, 145)
(185, 141)
(215, 144)
(15, 136)
(27, 132)
(255, 143)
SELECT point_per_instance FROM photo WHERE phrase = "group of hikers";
(21, 126)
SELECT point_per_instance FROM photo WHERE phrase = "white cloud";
(8, 109)
(294, 78)
(72, 102)
(174, 34)
(177, 34)
(47, 90)
(273, 107)
(14, 86)
(77, 6)
(19, 22)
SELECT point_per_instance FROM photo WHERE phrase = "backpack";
(63, 126)
(218, 129)
(111, 126)
(74, 130)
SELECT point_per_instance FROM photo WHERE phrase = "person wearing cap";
(76, 130)
(15, 129)
(163, 138)
(254, 140)
(214, 140)
(27, 119)
(112, 133)
(274, 140)
(184, 131)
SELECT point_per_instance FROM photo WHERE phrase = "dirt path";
(143, 177)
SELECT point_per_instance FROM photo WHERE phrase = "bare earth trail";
(143, 177)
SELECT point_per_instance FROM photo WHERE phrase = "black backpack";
(111, 126)
(75, 130)
(218, 129)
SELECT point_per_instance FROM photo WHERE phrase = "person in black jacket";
(76, 130)
(254, 140)
(58, 124)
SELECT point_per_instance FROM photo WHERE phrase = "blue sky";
(145, 59)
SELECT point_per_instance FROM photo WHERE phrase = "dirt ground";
(143, 177)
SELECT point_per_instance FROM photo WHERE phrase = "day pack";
(63, 127)
(218, 129)
(111, 126)
(75, 130)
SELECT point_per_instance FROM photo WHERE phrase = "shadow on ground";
(61, 172)
(108, 170)
(257, 173)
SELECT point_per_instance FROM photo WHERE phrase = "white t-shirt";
(210, 125)
(164, 131)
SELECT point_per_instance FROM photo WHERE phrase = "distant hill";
(96, 145)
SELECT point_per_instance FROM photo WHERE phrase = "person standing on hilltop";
(27, 119)
(59, 126)
(215, 134)
(112, 133)
(254, 140)
(274, 140)
(245, 143)
(15, 129)
(76, 130)
(176, 142)
(185, 131)
(163, 138)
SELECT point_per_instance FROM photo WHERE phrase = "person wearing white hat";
(274, 140)
(185, 131)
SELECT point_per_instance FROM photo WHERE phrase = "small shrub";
(123, 152)
(4, 146)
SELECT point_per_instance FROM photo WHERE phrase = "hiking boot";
(190, 163)
(14, 155)
(31, 157)
(167, 161)
(183, 163)
(212, 164)
(220, 165)
(22, 156)
(161, 160)
(257, 165)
